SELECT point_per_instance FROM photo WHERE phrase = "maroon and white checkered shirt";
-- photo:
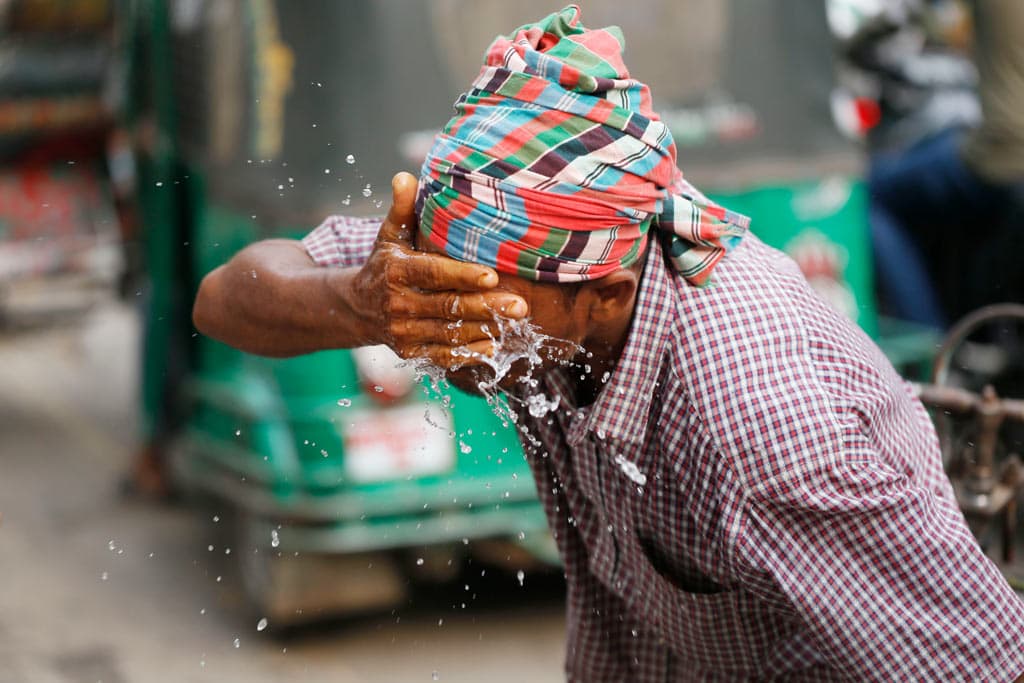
(755, 494)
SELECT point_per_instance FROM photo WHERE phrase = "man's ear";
(611, 296)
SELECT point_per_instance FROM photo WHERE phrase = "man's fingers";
(456, 306)
(452, 333)
(448, 357)
(441, 273)
(398, 225)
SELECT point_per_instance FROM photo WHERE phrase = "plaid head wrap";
(555, 165)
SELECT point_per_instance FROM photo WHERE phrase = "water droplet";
(378, 388)
(219, 579)
(419, 561)
(327, 171)
(367, 191)
(521, 575)
(350, 159)
(465, 447)
(238, 432)
(435, 676)
(159, 184)
(111, 545)
(280, 187)
(631, 470)
(209, 548)
(238, 643)
(347, 200)
(227, 551)
(275, 541)
(539, 405)
(344, 402)
(261, 624)
(104, 576)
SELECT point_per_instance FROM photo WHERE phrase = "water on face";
(519, 345)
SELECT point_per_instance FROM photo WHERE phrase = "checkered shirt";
(755, 495)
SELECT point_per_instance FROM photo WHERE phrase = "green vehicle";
(349, 474)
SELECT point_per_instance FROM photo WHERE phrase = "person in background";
(739, 484)
(963, 183)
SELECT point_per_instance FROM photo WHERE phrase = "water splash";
(515, 341)
(539, 405)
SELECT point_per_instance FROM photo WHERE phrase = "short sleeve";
(887, 577)
(342, 241)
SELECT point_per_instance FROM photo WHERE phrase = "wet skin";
(581, 318)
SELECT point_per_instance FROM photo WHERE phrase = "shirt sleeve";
(342, 241)
(886, 575)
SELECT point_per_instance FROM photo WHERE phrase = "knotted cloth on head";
(555, 165)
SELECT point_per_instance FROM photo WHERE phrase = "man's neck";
(605, 348)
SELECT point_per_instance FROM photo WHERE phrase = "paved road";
(95, 588)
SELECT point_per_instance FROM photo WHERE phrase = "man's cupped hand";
(427, 305)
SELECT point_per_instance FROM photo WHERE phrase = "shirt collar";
(622, 407)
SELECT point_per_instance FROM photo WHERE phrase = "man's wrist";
(356, 323)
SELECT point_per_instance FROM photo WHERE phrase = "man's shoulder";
(767, 365)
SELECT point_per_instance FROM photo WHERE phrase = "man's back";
(752, 478)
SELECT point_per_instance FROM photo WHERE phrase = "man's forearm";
(271, 299)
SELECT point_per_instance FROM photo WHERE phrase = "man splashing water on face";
(740, 485)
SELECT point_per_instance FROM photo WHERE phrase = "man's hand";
(424, 304)
(272, 299)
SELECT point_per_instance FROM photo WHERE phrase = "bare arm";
(272, 299)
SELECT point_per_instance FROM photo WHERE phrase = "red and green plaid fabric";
(555, 165)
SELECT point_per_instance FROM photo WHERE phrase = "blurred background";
(175, 510)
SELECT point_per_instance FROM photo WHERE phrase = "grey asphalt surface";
(97, 588)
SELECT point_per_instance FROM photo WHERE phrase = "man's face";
(552, 313)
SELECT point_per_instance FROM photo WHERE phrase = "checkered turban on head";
(555, 166)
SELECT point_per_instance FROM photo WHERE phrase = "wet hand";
(426, 305)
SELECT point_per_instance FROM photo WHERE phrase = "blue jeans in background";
(931, 216)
